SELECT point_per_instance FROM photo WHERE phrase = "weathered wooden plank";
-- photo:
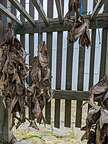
(5, 122)
(6, 12)
(92, 57)
(106, 65)
(39, 8)
(71, 95)
(100, 21)
(59, 10)
(92, 54)
(68, 83)
(58, 74)
(80, 86)
(58, 78)
(21, 16)
(22, 11)
(31, 36)
(22, 36)
(80, 79)
(13, 10)
(104, 46)
(39, 32)
(97, 8)
(31, 49)
(49, 45)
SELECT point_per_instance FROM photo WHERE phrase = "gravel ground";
(48, 135)
(51, 135)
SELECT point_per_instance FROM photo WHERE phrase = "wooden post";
(80, 80)
(104, 51)
(5, 122)
(5, 113)
(58, 75)
(49, 45)
(106, 68)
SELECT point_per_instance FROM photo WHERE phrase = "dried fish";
(13, 73)
(40, 75)
(98, 117)
(80, 26)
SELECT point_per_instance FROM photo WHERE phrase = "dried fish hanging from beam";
(80, 28)
(97, 120)
(41, 85)
(12, 73)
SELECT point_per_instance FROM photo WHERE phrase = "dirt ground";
(51, 135)
(48, 135)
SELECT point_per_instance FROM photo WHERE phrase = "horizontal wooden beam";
(6, 12)
(40, 10)
(21, 9)
(71, 95)
(59, 10)
(100, 21)
(97, 8)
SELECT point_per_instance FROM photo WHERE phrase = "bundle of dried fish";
(40, 76)
(97, 120)
(80, 27)
(12, 71)
(73, 6)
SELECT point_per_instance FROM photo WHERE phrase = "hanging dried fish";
(41, 86)
(80, 26)
(74, 6)
(13, 71)
(97, 120)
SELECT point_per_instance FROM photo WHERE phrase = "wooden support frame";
(59, 10)
(6, 12)
(97, 8)
(38, 6)
(55, 25)
(21, 9)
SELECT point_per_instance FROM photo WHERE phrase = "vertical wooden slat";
(22, 36)
(13, 10)
(58, 78)
(103, 53)
(4, 18)
(49, 45)
(68, 83)
(80, 79)
(40, 34)
(104, 46)
(80, 86)
(58, 74)
(106, 64)
(92, 57)
(31, 47)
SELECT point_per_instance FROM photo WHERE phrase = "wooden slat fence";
(68, 94)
